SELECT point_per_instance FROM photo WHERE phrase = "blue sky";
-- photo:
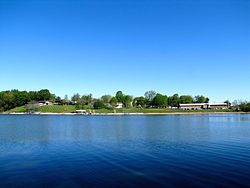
(101, 46)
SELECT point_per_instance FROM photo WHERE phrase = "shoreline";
(126, 114)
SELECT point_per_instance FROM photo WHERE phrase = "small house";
(119, 105)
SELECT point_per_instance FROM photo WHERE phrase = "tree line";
(16, 98)
(151, 99)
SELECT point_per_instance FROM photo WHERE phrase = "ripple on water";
(154, 151)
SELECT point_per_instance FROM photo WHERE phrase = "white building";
(119, 105)
(204, 106)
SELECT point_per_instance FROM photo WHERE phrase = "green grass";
(57, 109)
(71, 109)
(20, 109)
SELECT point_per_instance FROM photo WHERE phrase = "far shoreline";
(126, 114)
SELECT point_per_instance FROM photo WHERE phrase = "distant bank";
(124, 114)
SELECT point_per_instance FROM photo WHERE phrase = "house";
(39, 103)
(193, 106)
(220, 106)
(44, 103)
(204, 106)
(119, 105)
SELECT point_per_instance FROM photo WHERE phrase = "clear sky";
(101, 46)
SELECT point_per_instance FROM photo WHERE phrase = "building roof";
(194, 104)
(202, 104)
(218, 104)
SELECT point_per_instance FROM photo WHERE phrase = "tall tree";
(199, 99)
(119, 96)
(186, 99)
(174, 100)
(76, 98)
(160, 100)
(44, 94)
(127, 101)
(149, 95)
(106, 99)
(98, 104)
(113, 101)
(66, 99)
(139, 101)
(87, 99)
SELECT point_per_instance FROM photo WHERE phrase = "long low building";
(204, 106)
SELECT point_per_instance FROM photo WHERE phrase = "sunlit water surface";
(125, 151)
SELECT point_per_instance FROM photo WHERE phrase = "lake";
(125, 151)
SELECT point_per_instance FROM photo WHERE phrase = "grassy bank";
(158, 111)
(72, 109)
(46, 109)
(57, 109)
(21, 109)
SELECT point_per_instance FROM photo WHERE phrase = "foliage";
(139, 101)
(44, 94)
(174, 100)
(127, 101)
(160, 100)
(76, 97)
(106, 99)
(119, 96)
(186, 99)
(150, 95)
(113, 101)
(98, 104)
(228, 102)
(245, 106)
(87, 99)
(16, 98)
(199, 99)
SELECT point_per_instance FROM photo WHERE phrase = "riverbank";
(125, 114)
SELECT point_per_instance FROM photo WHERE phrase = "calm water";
(125, 151)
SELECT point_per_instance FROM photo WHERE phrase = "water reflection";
(125, 151)
(170, 128)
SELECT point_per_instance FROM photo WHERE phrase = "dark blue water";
(125, 151)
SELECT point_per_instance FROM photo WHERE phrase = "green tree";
(127, 101)
(228, 103)
(76, 98)
(20, 97)
(58, 100)
(186, 99)
(87, 99)
(106, 99)
(160, 100)
(98, 104)
(245, 106)
(34, 96)
(174, 100)
(66, 100)
(44, 94)
(119, 96)
(139, 101)
(113, 101)
(207, 100)
(150, 95)
(199, 99)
